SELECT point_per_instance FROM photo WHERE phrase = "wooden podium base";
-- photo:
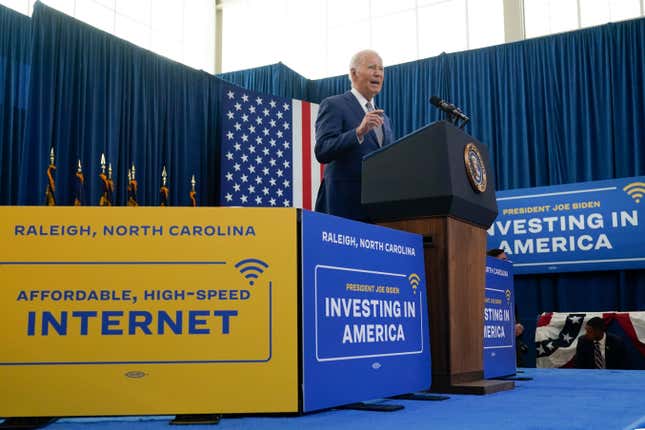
(479, 387)
(455, 264)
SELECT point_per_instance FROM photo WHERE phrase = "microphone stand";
(463, 124)
(455, 120)
(453, 112)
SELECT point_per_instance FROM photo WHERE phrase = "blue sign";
(575, 227)
(365, 318)
(499, 319)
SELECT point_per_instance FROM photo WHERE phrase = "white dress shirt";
(363, 102)
(602, 343)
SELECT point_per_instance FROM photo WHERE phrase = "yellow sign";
(121, 311)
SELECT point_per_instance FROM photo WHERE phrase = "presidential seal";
(475, 168)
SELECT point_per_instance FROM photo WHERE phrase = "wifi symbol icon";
(635, 190)
(251, 269)
(415, 280)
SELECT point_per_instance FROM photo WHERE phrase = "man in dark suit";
(598, 349)
(349, 127)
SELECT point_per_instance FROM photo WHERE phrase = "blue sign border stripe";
(108, 263)
(263, 360)
(499, 346)
(555, 263)
(562, 193)
(356, 357)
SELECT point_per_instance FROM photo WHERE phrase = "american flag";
(267, 150)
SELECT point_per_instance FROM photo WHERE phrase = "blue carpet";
(554, 399)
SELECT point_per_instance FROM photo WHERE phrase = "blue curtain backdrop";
(92, 93)
(276, 79)
(553, 110)
(558, 109)
(15, 44)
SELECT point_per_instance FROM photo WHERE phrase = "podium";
(437, 182)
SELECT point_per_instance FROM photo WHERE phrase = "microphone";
(449, 108)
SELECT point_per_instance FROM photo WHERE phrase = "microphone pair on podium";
(453, 111)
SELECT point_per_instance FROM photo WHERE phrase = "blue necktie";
(378, 130)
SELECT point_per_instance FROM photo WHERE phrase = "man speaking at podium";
(349, 127)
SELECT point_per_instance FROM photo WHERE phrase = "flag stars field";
(266, 135)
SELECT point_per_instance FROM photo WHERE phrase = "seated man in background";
(599, 350)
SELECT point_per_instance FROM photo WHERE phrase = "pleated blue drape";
(92, 94)
(15, 45)
(276, 79)
(553, 110)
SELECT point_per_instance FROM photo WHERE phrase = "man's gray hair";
(358, 58)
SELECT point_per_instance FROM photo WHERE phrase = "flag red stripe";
(625, 323)
(545, 319)
(306, 155)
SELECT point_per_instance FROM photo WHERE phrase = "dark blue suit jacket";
(615, 353)
(338, 148)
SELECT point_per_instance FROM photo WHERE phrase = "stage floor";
(554, 399)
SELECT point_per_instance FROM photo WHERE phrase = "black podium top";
(438, 170)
